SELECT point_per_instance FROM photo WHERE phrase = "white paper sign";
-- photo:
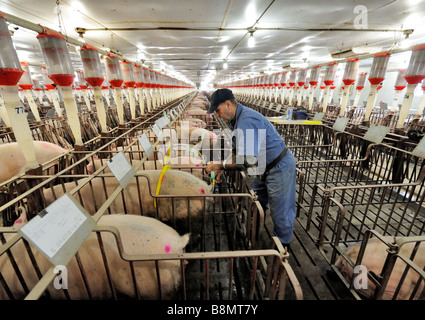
(376, 133)
(146, 145)
(157, 131)
(162, 122)
(340, 124)
(318, 116)
(59, 230)
(121, 168)
(419, 150)
(172, 114)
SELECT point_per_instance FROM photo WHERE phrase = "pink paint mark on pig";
(214, 136)
(196, 165)
(167, 249)
(203, 191)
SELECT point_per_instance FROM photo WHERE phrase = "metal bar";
(105, 263)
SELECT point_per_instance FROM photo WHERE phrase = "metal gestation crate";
(226, 263)
(387, 196)
(355, 160)
(354, 189)
(218, 269)
(308, 142)
(394, 267)
(375, 164)
(57, 131)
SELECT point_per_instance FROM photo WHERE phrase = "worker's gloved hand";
(216, 167)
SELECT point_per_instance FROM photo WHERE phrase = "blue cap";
(218, 97)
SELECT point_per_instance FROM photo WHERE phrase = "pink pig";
(13, 161)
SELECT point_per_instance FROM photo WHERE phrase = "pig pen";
(57, 131)
(346, 187)
(342, 200)
(223, 265)
(227, 262)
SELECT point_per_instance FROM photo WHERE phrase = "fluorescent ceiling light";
(366, 49)
(299, 65)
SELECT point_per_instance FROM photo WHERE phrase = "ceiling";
(191, 39)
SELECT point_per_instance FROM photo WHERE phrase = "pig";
(175, 182)
(139, 235)
(13, 162)
(192, 122)
(374, 258)
(181, 151)
(195, 111)
(178, 163)
(197, 135)
(199, 102)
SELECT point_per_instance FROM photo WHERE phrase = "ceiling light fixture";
(296, 65)
(225, 65)
(366, 49)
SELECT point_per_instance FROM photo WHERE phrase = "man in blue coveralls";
(273, 164)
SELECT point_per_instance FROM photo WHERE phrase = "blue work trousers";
(278, 191)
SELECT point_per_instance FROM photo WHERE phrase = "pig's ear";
(184, 240)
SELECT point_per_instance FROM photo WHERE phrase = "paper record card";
(121, 169)
(157, 131)
(59, 230)
(162, 122)
(419, 150)
(340, 124)
(318, 116)
(376, 133)
(146, 145)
